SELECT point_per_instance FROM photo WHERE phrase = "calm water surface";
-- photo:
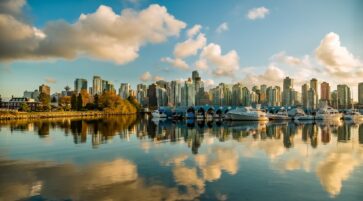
(130, 158)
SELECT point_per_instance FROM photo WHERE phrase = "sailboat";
(353, 114)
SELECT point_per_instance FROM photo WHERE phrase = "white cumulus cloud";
(103, 34)
(337, 59)
(146, 77)
(257, 13)
(194, 30)
(190, 46)
(222, 65)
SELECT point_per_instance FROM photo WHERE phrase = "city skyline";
(249, 45)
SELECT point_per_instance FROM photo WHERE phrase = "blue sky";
(291, 29)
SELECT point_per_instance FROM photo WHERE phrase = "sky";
(140, 41)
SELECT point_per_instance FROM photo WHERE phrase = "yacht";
(246, 114)
(158, 114)
(280, 115)
(300, 115)
(327, 113)
(353, 115)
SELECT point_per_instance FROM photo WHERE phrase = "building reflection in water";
(333, 166)
(101, 130)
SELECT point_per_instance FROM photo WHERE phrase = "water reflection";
(332, 151)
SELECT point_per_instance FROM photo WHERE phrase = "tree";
(79, 102)
(24, 107)
(74, 101)
(44, 100)
(65, 102)
(96, 101)
(85, 97)
(134, 102)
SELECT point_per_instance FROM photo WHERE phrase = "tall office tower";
(161, 96)
(263, 89)
(246, 98)
(296, 98)
(225, 94)
(151, 94)
(287, 90)
(334, 99)
(214, 93)
(80, 84)
(314, 85)
(344, 99)
(124, 90)
(304, 94)
(254, 97)
(175, 93)
(105, 86)
(141, 94)
(237, 94)
(188, 93)
(311, 102)
(257, 91)
(325, 93)
(360, 94)
(195, 75)
(273, 96)
(44, 89)
(97, 85)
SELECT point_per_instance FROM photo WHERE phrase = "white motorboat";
(300, 115)
(353, 115)
(158, 114)
(246, 114)
(280, 115)
(327, 113)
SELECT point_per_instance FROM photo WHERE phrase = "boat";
(158, 114)
(280, 115)
(246, 114)
(300, 115)
(353, 115)
(328, 113)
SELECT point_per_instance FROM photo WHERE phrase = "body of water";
(137, 158)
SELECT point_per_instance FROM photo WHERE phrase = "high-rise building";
(314, 86)
(151, 94)
(344, 99)
(32, 94)
(97, 85)
(273, 96)
(124, 90)
(304, 94)
(246, 97)
(175, 93)
(263, 89)
(161, 96)
(287, 91)
(44, 89)
(311, 99)
(141, 94)
(80, 84)
(360, 93)
(237, 94)
(325, 92)
(334, 99)
(188, 93)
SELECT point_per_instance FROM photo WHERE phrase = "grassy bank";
(42, 115)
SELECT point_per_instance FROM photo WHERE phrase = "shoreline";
(47, 115)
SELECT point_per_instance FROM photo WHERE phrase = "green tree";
(44, 100)
(96, 101)
(79, 102)
(74, 101)
(24, 107)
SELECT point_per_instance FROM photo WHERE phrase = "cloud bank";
(100, 35)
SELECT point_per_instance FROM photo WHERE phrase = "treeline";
(107, 101)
